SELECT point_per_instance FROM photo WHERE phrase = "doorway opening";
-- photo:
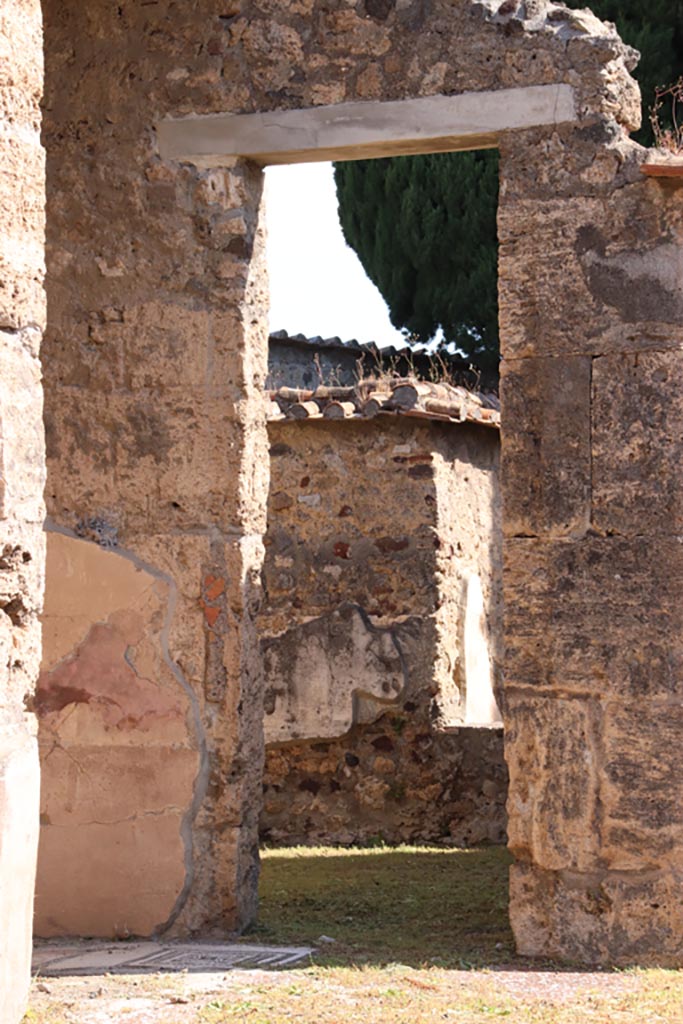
(380, 624)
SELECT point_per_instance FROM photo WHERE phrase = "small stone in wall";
(372, 793)
(310, 500)
(281, 501)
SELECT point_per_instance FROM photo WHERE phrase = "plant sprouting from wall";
(668, 139)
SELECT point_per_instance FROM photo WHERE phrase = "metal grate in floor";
(59, 959)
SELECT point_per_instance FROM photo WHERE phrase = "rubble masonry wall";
(374, 529)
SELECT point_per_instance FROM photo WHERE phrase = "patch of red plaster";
(100, 675)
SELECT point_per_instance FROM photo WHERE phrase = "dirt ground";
(401, 936)
(390, 995)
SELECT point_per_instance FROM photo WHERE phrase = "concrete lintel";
(351, 131)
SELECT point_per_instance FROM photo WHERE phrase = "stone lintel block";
(642, 789)
(364, 129)
(546, 446)
(604, 919)
(551, 750)
(637, 443)
(601, 616)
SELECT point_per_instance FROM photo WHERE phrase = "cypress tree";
(424, 227)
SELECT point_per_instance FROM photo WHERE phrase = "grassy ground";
(420, 936)
(410, 905)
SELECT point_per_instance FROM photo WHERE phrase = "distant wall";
(376, 531)
(301, 362)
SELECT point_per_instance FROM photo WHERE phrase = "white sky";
(317, 284)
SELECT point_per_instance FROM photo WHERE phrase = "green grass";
(410, 905)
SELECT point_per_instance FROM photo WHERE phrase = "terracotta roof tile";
(403, 396)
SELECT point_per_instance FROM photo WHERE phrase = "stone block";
(22, 442)
(600, 616)
(590, 273)
(150, 461)
(22, 202)
(164, 345)
(551, 747)
(546, 307)
(637, 418)
(642, 787)
(609, 920)
(546, 446)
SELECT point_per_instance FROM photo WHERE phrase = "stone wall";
(154, 355)
(591, 428)
(156, 347)
(22, 314)
(376, 530)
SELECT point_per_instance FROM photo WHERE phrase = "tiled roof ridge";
(419, 350)
(374, 396)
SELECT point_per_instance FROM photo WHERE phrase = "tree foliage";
(424, 227)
